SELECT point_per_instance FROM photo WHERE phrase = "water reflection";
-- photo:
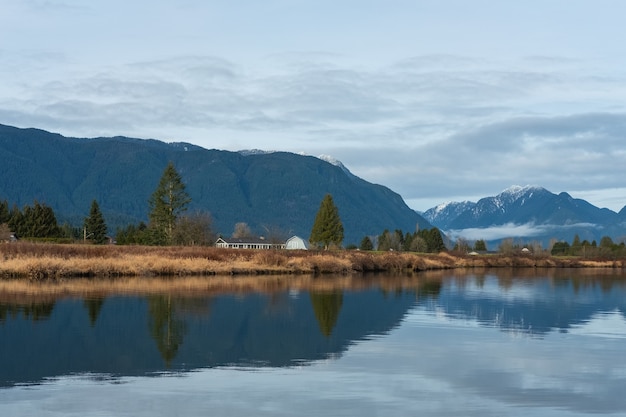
(121, 335)
(532, 302)
(326, 307)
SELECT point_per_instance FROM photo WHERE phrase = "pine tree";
(167, 202)
(5, 214)
(366, 244)
(480, 245)
(94, 226)
(327, 227)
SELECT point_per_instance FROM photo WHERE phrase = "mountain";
(266, 190)
(530, 212)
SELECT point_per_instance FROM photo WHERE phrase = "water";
(514, 343)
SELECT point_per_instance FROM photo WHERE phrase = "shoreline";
(51, 262)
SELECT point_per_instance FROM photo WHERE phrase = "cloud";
(508, 230)
(429, 127)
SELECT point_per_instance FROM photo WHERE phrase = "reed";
(41, 261)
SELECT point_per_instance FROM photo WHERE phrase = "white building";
(296, 242)
(247, 243)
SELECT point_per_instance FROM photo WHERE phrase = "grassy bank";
(39, 261)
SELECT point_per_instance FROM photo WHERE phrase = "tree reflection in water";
(93, 306)
(166, 329)
(327, 306)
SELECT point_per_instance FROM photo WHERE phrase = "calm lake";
(495, 343)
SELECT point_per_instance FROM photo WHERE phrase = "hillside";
(276, 190)
(528, 213)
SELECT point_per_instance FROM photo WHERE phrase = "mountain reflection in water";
(121, 335)
(134, 335)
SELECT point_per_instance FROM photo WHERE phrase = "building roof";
(244, 240)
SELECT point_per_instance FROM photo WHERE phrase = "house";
(296, 242)
(6, 235)
(247, 243)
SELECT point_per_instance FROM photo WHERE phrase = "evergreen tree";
(576, 246)
(384, 241)
(433, 239)
(480, 245)
(436, 244)
(37, 221)
(132, 235)
(16, 221)
(167, 202)
(94, 227)
(366, 244)
(5, 214)
(560, 249)
(327, 228)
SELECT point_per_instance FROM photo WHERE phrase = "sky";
(439, 100)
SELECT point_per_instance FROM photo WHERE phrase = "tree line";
(170, 224)
(424, 240)
(584, 248)
(38, 221)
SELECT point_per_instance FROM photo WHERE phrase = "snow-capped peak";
(519, 189)
(336, 162)
(247, 152)
(330, 160)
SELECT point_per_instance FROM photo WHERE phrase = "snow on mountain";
(334, 161)
(546, 215)
(248, 152)
(446, 212)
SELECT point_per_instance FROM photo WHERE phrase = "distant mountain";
(530, 212)
(267, 190)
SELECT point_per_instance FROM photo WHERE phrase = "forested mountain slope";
(265, 190)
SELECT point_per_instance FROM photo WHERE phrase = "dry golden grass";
(39, 261)
(18, 289)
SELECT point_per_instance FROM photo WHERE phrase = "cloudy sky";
(437, 99)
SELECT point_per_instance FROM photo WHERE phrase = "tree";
(366, 244)
(418, 244)
(167, 202)
(462, 245)
(242, 230)
(433, 239)
(5, 214)
(194, 230)
(507, 246)
(37, 221)
(133, 235)
(576, 246)
(480, 245)
(94, 227)
(327, 227)
(560, 249)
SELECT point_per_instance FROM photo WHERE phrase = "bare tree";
(242, 230)
(194, 230)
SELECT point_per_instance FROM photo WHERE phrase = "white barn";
(296, 242)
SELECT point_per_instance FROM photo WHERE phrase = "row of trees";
(585, 248)
(425, 240)
(328, 231)
(38, 221)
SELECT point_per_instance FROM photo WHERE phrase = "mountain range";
(530, 213)
(267, 190)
